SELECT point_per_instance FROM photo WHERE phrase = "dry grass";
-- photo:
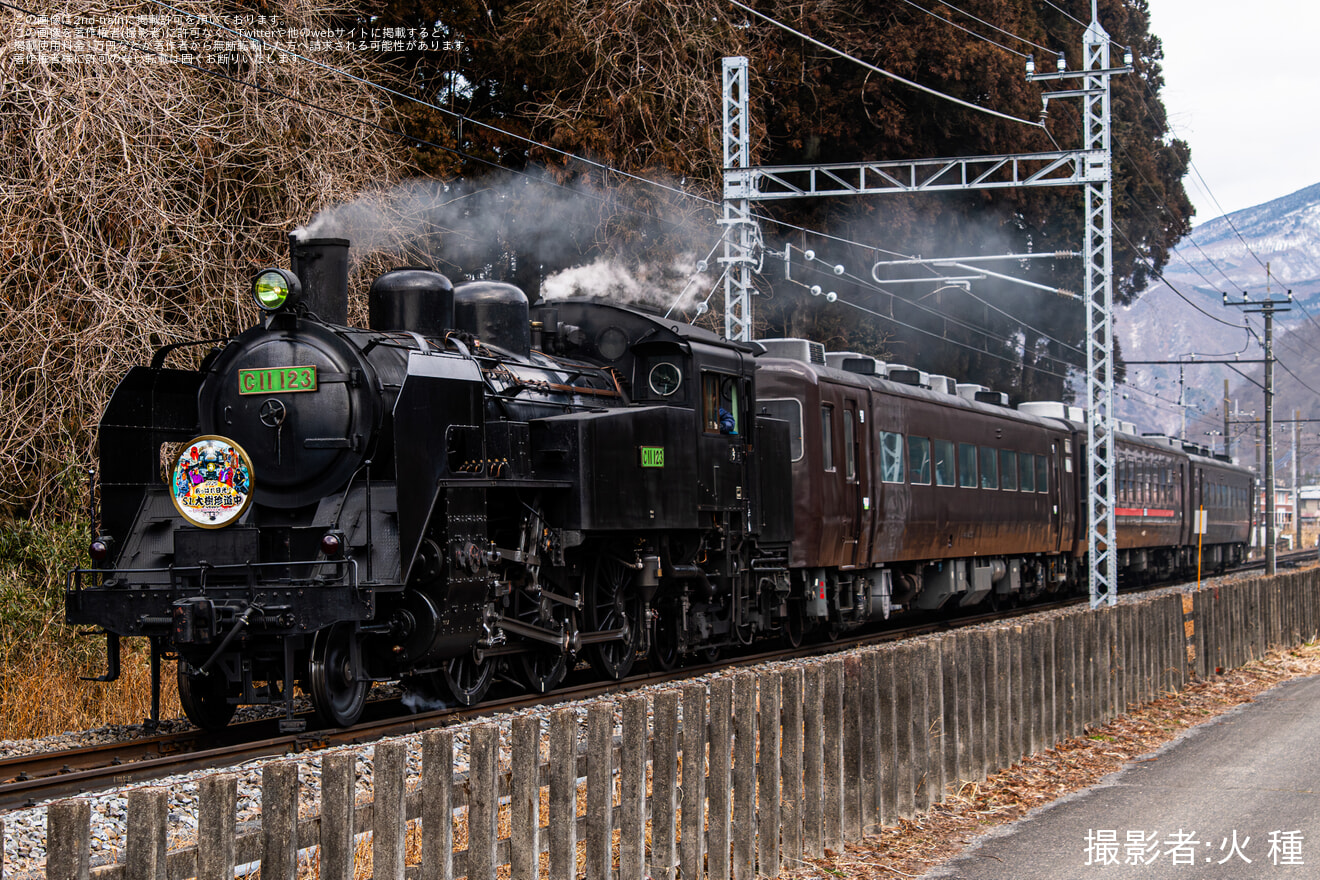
(41, 692)
(135, 201)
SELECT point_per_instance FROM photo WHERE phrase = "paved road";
(1235, 799)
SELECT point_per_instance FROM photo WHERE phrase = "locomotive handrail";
(158, 358)
(177, 572)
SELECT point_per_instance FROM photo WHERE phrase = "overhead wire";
(1155, 272)
(706, 262)
(1041, 333)
(991, 25)
(862, 282)
(967, 30)
(1163, 121)
(1241, 239)
(1065, 13)
(880, 70)
(1175, 251)
(1204, 184)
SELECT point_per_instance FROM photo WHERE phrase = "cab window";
(721, 408)
(663, 379)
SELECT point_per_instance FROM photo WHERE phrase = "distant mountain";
(1284, 233)
(1226, 255)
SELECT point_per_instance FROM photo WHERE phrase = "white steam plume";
(472, 229)
(685, 281)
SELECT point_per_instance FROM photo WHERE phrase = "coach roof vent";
(1127, 428)
(835, 359)
(967, 390)
(943, 384)
(795, 349)
(864, 365)
(995, 398)
(855, 362)
(905, 375)
(1164, 439)
(1045, 409)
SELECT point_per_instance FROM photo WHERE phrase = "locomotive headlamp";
(275, 289)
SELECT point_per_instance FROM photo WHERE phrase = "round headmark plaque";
(211, 482)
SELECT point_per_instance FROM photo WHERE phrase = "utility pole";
(1267, 307)
(1258, 504)
(1296, 498)
(1228, 443)
(1182, 403)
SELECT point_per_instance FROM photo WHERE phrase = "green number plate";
(653, 456)
(279, 380)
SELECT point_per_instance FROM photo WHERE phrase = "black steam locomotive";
(473, 487)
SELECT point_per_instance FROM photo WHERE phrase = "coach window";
(891, 457)
(1042, 474)
(919, 461)
(849, 446)
(967, 465)
(1008, 480)
(946, 467)
(827, 437)
(788, 410)
(1026, 472)
(989, 467)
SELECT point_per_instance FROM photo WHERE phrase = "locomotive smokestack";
(321, 264)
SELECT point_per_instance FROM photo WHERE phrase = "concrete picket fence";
(787, 763)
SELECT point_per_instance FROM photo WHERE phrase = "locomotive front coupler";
(239, 625)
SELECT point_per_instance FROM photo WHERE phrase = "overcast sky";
(1240, 87)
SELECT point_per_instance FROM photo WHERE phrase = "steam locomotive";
(473, 488)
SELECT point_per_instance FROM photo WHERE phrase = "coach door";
(856, 479)
(1063, 506)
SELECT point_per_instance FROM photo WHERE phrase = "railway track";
(29, 779)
